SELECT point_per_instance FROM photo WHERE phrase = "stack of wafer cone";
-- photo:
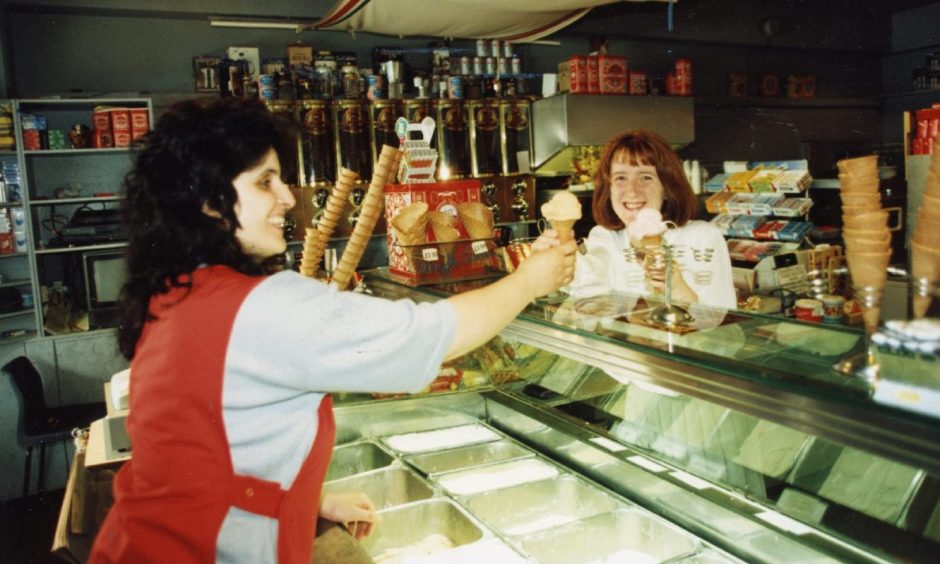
(477, 219)
(925, 241)
(384, 171)
(445, 231)
(316, 240)
(410, 224)
(866, 234)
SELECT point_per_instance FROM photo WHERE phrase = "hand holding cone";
(561, 212)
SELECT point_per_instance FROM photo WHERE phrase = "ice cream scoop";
(647, 229)
(562, 211)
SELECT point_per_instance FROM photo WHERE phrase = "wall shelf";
(787, 103)
(74, 152)
(68, 201)
(95, 247)
(15, 282)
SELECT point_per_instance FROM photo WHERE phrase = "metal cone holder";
(863, 364)
(668, 314)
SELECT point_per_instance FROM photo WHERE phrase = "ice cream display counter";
(605, 438)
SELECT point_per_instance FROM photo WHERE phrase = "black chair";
(38, 424)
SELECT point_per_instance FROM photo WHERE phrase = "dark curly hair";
(648, 148)
(188, 161)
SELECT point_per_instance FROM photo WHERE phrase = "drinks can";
(478, 66)
(502, 66)
(455, 87)
(507, 49)
(490, 66)
(515, 65)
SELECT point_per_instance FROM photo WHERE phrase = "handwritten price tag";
(479, 247)
(429, 255)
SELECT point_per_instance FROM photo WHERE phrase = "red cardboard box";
(101, 120)
(140, 122)
(593, 76)
(121, 126)
(430, 263)
(612, 74)
(578, 71)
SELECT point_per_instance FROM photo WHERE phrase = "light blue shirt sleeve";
(300, 334)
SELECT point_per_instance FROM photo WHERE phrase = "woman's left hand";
(354, 510)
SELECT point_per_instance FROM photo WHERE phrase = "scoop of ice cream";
(563, 206)
(648, 223)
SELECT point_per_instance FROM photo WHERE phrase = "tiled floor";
(27, 526)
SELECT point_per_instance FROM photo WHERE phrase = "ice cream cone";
(925, 264)
(564, 228)
(410, 221)
(858, 164)
(866, 220)
(444, 236)
(477, 219)
(869, 269)
(442, 218)
(561, 212)
(865, 199)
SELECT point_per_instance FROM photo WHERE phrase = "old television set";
(105, 272)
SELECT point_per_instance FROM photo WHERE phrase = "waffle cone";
(564, 228)
(442, 218)
(410, 223)
(859, 164)
(925, 263)
(477, 229)
(869, 269)
(865, 199)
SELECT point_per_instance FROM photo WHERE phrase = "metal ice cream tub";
(386, 487)
(626, 535)
(356, 458)
(466, 457)
(420, 528)
(524, 509)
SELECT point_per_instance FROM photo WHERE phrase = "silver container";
(408, 525)
(357, 458)
(386, 487)
(370, 421)
(525, 509)
(495, 476)
(627, 534)
(441, 439)
(465, 457)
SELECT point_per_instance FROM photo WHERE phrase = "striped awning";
(508, 20)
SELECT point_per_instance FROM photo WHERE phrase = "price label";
(646, 463)
(479, 247)
(429, 254)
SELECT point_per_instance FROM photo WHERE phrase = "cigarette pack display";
(792, 181)
(741, 181)
(718, 203)
(717, 183)
(794, 231)
(744, 225)
(763, 180)
(793, 207)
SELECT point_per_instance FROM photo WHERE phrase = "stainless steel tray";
(407, 530)
(356, 458)
(386, 487)
(627, 535)
(465, 457)
(524, 509)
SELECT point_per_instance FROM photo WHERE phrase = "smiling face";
(263, 199)
(633, 187)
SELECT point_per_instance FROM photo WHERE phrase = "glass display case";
(731, 437)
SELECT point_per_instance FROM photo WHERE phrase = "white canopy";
(508, 20)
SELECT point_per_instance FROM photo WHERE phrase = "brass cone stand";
(863, 364)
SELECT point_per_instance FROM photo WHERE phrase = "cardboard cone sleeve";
(371, 207)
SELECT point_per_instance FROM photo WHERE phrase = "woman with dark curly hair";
(640, 171)
(231, 369)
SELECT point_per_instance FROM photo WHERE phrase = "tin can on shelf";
(319, 163)
(478, 66)
(486, 155)
(353, 141)
(453, 135)
(384, 113)
(483, 48)
(465, 66)
(489, 66)
(515, 133)
(455, 87)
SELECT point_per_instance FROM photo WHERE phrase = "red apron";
(172, 497)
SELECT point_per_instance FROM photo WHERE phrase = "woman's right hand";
(549, 267)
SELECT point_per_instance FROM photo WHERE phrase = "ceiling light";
(254, 24)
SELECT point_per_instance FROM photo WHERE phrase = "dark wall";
(57, 50)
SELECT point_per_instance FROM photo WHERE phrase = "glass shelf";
(94, 247)
(73, 152)
(67, 201)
